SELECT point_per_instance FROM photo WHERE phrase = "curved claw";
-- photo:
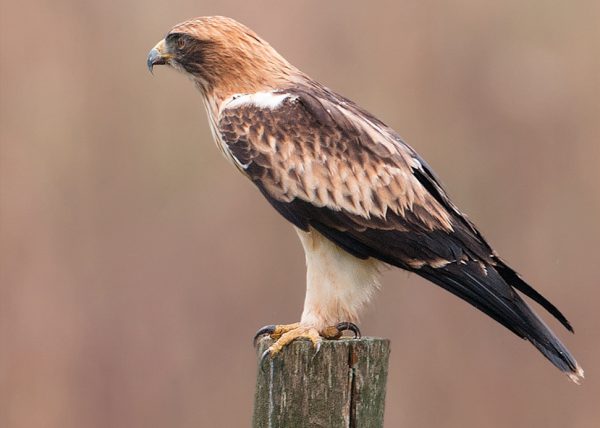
(317, 347)
(348, 326)
(268, 329)
(263, 357)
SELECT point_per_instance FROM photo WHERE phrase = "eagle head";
(220, 54)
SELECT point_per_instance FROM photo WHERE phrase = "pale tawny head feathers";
(224, 57)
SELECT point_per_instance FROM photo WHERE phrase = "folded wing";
(323, 162)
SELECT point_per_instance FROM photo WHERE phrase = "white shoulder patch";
(269, 100)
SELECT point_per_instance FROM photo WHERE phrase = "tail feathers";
(487, 290)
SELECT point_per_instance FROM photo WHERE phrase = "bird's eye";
(180, 43)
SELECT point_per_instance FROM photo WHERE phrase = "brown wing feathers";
(488, 291)
(347, 175)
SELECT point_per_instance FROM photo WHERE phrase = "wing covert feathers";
(324, 163)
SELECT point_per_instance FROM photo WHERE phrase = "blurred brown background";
(136, 264)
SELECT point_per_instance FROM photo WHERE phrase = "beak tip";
(154, 57)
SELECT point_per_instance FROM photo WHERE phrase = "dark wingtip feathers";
(491, 293)
(515, 280)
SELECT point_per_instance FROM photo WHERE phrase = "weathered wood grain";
(341, 386)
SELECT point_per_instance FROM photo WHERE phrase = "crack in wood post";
(352, 404)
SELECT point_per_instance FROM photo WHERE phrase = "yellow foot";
(287, 333)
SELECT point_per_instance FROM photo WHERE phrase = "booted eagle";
(359, 197)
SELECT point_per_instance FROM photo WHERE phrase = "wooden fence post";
(343, 385)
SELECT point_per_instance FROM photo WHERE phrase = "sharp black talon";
(343, 326)
(265, 355)
(317, 349)
(268, 329)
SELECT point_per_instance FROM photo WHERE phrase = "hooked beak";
(158, 55)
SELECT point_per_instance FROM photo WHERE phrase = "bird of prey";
(358, 196)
